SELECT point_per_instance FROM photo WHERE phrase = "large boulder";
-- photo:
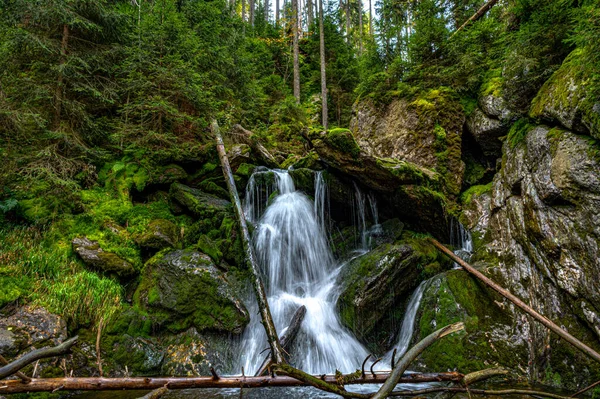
(184, 288)
(94, 256)
(376, 286)
(567, 99)
(425, 131)
(198, 203)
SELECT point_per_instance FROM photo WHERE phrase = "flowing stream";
(461, 239)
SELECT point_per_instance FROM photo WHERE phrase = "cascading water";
(461, 238)
(294, 255)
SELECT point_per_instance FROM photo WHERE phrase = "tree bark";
(277, 13)
(261, 296)
(243, 10)
(480, 13)
(309, 13)
(28, 358)
(286, 339)
(348, 21)
(23, 377)
(519, 303)
(252, 7)
(323, 74)
(400, 367)
(371, 17)
(360, 27)
(58, 94)
(150, 383)
(294, 23)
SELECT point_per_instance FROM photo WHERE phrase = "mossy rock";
(94, 256)
(342, 140)
(168, 174)
(184, 288)
(373, 286)
(11, 289)
(567, 97)
(304, 180)
(310, 161)
(159, 234)
(197, 202)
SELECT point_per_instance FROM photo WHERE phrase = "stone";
(372, 286)
(159, 234)
(184, 288)
(425, 132)
(487, 132)
(197, 202)
(494, 106)
(29, 327)
(168, 174)
(94, 256)
(566, 99)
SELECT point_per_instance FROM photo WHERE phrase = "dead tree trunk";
(480, 13)
(508, 295)
(286, 339)
(28, 358)
(261, 296)
(58, 95)
(150, 383)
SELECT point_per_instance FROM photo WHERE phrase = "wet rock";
(94, 256)
(184, 288)
(30, 328)
(487, 132)
(159, 234)
(141, 356)
(566, 99)
(494, 106)
(375, 286)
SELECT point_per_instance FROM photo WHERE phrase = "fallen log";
(261, 295)
(471, 391)
(405, 361)
(28, 358)
(519, 303)
(148, 383)
(287, 339)
(23, 377)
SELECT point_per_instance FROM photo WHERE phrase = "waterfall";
(408, 324)
(461, 239)
(321, 194)
(360, 219)
(294, 255)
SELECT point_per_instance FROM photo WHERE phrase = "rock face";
(184, 288)
(198, 203)
(425, 132)
(539, 235)
(565, 99)
(92, 255)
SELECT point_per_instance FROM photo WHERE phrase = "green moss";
(493, 84)
(245, 170)
(343, 140)
(467, 196)
(11, 289)
(518, 132)
(209, 247)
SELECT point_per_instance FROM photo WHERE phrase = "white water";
(461, 238)
(294, 255)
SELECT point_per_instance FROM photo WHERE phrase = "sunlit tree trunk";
(309, 12)
(252, 8)
(277, 12)
(322, 56)
(244, 10)
(360, 27)
(294, 24)
(348, 21)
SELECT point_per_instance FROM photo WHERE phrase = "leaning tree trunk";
(294, 24)
(323, 74)
(480, 13)
(261, 296)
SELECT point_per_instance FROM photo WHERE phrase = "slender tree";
(371, 17)
(277, 13)
(252, 9)
(267, 9)
(309, 13)
(322, 56)
(244, 10)
(348, 21)
(294, 24)
(360, 27)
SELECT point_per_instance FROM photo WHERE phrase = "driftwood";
(28, 358)
(23, 377)
(261, 295)
(519, 303)
(405, 361)
(286, 339)
(148, 383)
(480, 13)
